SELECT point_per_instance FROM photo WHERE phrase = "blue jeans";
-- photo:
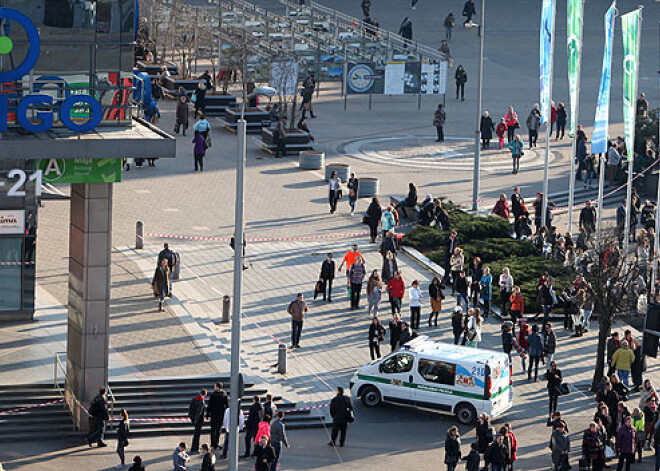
(448, 33)
(657, 458)
(225, 448)
(587, 315)
(98, 433)
(497, 467)
(464, 298)
(296, 330)
(278, 449)
(351, 203)
(623, 376)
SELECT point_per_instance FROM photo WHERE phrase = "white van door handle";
(410, 379)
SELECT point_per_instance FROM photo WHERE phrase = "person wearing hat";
(457, 324)
(622, 360)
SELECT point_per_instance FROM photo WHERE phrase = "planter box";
(153, 69)
(343, 171)
(256, 119)
(310, 160)
(296, 141)
(171, 85)
(368, 187)
(218, 104)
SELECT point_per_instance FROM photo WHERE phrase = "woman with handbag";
(555, 379)
(334, 191)
(376, 336)
(511, 120)
(486, 290)
(436, 295)
(161, 283)
(353, 186)
(473, 334)
(123, 430)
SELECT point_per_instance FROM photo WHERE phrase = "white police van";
(442, 377)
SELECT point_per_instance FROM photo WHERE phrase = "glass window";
(400, 363)
(437, 371)
(10, 273)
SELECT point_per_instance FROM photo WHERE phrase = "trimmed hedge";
(489, 238)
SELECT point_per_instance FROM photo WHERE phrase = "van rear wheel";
(466, 413)
(371, 396)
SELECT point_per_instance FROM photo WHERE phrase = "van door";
(395, 378)
(435, 384)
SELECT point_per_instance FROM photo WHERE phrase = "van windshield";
(399, 363)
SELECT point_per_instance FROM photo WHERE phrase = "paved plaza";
(393, 142)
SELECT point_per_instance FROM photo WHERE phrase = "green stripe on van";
(435, 389)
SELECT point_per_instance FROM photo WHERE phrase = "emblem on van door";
(465, 380)
(397, 382)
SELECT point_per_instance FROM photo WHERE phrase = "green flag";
(630, 28)
(574, 38)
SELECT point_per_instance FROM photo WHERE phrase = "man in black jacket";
(98, 414)
(215, 412)
(588, 218)
(255, 415)
(517, 203)
(327, 276)
(341, 410)
(196, 412)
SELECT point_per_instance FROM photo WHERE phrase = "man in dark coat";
(588, 218)
(327, 276)
(196, 412)
(439, 118)
(255, 415)
(461, 79)
(517, 203)
(341, 410)
(469, 10)
(98, 415)
(405, 30)
(215, 412)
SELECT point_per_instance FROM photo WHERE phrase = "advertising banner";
(545, 56)
(434, 78)
(630, 27)
(80, 170)
(12, 221)
(599, 139)
(574, 38)
(363, 79)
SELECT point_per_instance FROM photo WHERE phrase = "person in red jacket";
(517, 305)
(500, 130)
(511, 119)
(553, 115)
(501, 208)
(513, 445)
(396, 289)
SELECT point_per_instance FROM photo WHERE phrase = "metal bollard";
(139, 235)
(226, 305)
(281, 359)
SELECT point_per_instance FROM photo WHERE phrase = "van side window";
(437, 371)
(401, 363)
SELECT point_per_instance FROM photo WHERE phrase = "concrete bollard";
(226, 306)
(139, 235)
(281, 359)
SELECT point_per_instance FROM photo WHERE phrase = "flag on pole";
(630, 27)
(599, 140)
(545, 56)
(574, 36)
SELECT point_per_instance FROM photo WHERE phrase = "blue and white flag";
(599, 139)
(545, 56)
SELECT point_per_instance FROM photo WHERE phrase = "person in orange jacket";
(517, 305)
(500, 130)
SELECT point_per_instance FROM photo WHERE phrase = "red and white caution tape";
(258, 239)
(34, 406)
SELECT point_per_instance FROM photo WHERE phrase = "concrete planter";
(343, 171)
(368, 187)
(310, 160)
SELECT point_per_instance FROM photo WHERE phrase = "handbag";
(194, 98)
(207, 142)
(471, 334)
(320, 286)
(351, 416)
(365, 219)
(564, 465)
(583, 464)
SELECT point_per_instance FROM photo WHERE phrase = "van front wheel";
(370, 396)
(466, 413)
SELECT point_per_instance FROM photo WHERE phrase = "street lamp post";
(480, 84)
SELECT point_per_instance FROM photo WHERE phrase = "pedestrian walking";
(625, 444)
(549, 343)
(374, 290)
(388, 221)
(622, 361)
(642, 106)
(473, 335)
(640, 432)
(486, 127)
(462, 290)
(475, 272)
(593, 447)
(264, 455)
(372, 218)
(472, 460)
(280, 135)
(199, 99)
(517, 306)
(204, 128)
(517, 148)
(334, 191)
(451, 242)
(554, 378)
(535, 352)
(98, 415)
(181, 123)
(357, 274)
(533, 125)
(395, 331)
(456, 262)
(341, 411)
(180, 458)
(309, 84)
(512, 123)
(389, 268)
(388, 245)
(500, 130)
(506, 288)
(326, 277)
(561, 121)
(227, 428)
(452, 448)
(396, 289)
(415, 299)
(376, 336)
(123, 431)
(366, 6)
(439, 118)
(507, 339)
(405, 30)
(353, 186)
(199, 151)
(348, 260)
(208, 459)
(278, 437)
(497, 454)
(196, 413)
(297, 309)
(486, 290)
(461, 79)
(215, 412)
(457, 324)
(254, 416)
(469, 10)
(436, 296)
(560, 444)
(160, 283)
(485, 433)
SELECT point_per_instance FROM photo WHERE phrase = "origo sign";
(71, 103)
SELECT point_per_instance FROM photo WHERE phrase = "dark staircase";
(163, 398)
